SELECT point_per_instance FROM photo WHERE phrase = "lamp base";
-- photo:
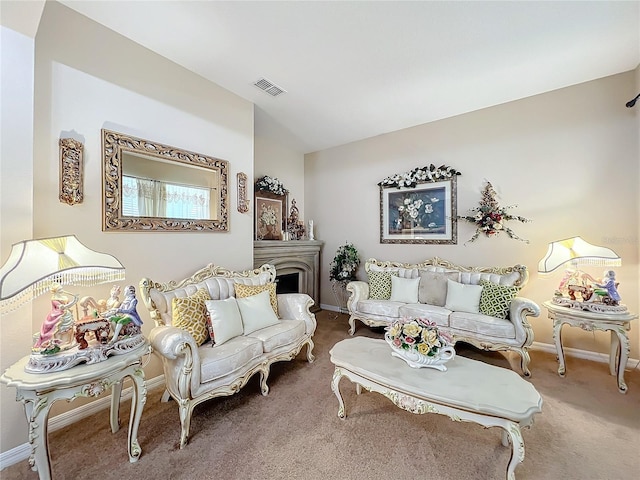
(94, 353)
(596, 307)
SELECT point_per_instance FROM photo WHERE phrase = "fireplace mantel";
(294, 256)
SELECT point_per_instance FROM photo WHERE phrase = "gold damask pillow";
(243, 291)
(190, 314)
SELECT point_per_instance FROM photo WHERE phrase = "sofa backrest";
(517, 275)
(218, 281)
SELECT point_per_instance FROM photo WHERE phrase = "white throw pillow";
(225, 318)
(462, 297)
(256, 312)
(404, 289)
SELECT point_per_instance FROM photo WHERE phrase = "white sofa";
(195, 373)
(447, 294)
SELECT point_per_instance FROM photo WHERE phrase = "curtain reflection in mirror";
(143, 197)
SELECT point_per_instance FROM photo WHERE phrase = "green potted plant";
(342, 270)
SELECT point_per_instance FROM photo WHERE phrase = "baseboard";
(22, 452)
(584, 354)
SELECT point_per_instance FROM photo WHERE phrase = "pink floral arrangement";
(418, 334)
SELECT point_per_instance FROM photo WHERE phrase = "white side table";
(38, 391)
(617, 323)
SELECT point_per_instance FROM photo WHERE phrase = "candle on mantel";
(311, 235)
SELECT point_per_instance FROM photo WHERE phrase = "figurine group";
(110, 321)
(582, 289)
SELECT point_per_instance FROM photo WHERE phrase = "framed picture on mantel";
(270, 211)
(425, 213)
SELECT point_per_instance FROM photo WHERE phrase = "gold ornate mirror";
(148, 186)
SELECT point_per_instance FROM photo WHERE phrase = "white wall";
(568, 159)
(278, 156)
(16, 206)
(88, 78)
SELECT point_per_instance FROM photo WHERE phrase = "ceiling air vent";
(269, 87)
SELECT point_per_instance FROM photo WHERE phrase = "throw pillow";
(462, 297)
(496, 299)
(379, 285)
(256, 312)
(225, 321)
(190, 314)
(433, 286)
(243, 291)
(404, 289)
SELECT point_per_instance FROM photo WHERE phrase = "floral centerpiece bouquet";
(345, 263)
(489, 217)
(271, 184)
(419, 343)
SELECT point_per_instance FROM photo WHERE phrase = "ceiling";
(356, 69)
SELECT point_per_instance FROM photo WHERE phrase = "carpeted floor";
(587, 430)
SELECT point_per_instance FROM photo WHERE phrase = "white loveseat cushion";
(222, 360)
(479, 324)
(224, 319)
(404, 289)
(283, 333)
(256, 312)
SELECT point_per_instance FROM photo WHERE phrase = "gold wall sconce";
(243, 199)
(71, 171)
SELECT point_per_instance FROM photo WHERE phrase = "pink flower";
(397, 342)
(409, 340)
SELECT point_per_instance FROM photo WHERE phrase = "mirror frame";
(113, 144)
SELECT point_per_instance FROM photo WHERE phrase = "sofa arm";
(520, 309)
(358, 290)
(179, 353)
(296, 306)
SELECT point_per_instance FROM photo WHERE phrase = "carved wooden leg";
(264, 374)
(621, 357)
(185, 410)
(557, 337)
(512, 435)
(525, 360)
(335, 386)
(37, 412)
(138, 399)
(116, 391)
(310, 356)
(352, 323)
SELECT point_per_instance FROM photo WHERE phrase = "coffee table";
(468, 391)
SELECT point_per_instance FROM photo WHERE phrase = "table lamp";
(573, 253)
(37, 266)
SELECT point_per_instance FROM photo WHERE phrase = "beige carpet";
(587, 430)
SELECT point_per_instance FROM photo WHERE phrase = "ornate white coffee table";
(469, 390)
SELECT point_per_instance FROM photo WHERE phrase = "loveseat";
(217, 328)
(475, 305)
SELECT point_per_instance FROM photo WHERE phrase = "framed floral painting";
(423, 213)
(270, 211)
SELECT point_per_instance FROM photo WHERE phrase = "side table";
(617, 323)
(38, 391)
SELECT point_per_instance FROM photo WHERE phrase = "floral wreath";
(419, 175)
(489, 217)
(271, 184)
(344, 265)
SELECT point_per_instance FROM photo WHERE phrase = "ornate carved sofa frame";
(486, 332)
(195, 373)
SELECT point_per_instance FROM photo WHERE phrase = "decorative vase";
(416, 359)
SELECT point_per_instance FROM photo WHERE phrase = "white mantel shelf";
(293, 256)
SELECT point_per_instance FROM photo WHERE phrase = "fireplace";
(288, 283)
(297, 265)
